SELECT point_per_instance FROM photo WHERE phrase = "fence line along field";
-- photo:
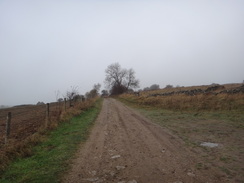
(26, 120)
(30, 124)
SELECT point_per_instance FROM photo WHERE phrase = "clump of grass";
(77, 109)
(21, 149)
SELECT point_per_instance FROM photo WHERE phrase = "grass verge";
(225, 128)
(50, 158)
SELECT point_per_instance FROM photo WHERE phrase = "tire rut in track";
(126, 147)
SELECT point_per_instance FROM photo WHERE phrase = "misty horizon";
(49, 46)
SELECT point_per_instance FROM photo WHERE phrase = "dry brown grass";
(202, 87)
(204, 117)
(77, 109)
(185, 102)
(23, 148)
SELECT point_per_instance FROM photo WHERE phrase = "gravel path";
(125, 147)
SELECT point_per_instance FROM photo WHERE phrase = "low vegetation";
(43, 156)
(194, 98)
(205, 117)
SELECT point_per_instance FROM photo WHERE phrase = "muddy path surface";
(125, 147)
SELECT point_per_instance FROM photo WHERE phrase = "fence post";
(64, 104)
(47, 116)
(8, 124)
(70, 103)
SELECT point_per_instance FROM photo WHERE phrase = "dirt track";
(125, 147)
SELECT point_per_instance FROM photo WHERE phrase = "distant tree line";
(152, 87)
(156, 87)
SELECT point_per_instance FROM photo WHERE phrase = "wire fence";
(26, 120)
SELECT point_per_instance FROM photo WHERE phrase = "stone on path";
(115, 157)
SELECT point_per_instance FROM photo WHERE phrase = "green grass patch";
(51, 158)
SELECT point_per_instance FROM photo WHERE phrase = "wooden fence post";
(47, 116)
(64, 104)
(8, 124)
(70, 105)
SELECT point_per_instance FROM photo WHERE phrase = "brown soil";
(25, 121)
(125, 147)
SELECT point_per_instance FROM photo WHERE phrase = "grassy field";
(50, 158)
(195, 125)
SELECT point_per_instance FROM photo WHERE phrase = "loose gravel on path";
(125, 147)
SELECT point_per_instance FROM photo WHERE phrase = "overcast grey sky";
(50, 45)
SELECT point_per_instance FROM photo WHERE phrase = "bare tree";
(114, 75)
(94, 92)
(97, 87)
(58, 105)
(131, 81)
(71, 94)
(57, 93)
(120, 80)
(104, 93)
